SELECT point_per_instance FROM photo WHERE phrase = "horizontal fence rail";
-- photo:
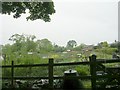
(92, 62)
(65, 64)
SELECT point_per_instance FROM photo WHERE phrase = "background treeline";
(25, 47)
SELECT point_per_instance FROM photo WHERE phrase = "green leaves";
(37, 10)
(71, 44)
(44, 45)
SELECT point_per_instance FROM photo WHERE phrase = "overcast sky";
(84, 22)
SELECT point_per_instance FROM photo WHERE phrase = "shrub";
(82, 70)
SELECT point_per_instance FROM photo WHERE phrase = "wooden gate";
(103, 76)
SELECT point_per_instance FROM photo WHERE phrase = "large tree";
(23, 41)
(71, 44)
(44, 45)
(57, 48)
(103, 44)
(37, 10)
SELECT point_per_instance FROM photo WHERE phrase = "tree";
(6, 49)
(44, 45)
(37, 10)
(103, 44)
(116, 45)
(17, 39)
(23, 41)
(80, 47)
(30, 44)
(58, 48)
(71, 44)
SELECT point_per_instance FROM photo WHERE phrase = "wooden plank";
(12, 74)
(55, 77)
(5, 66)
(72, 63)
(31, 65)
(93, 71)
(61, 77)
(107, 60)
(25, 78)
(107, 76)
(50, 68)
(64, 64)
(55, 64)
(75, 77)
(109, 83)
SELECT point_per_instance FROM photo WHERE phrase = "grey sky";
(85, 22)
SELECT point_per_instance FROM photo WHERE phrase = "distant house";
(68, 50)
(30, 53)
(64, 52)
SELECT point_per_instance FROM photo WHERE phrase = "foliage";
(107, 50)
(83, 70)
(80, 47)
(44, 45)
(103, 44)
(71, 44)
(25, 46)
(22, 41)
(57, 48)
(37, 10)
(115, 45)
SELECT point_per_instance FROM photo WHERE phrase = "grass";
(86, 83)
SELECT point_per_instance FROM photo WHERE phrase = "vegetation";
(26, 49)
(37, 10)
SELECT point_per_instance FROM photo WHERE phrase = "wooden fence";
(93, 62)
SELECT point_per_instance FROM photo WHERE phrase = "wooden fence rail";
(92, 62)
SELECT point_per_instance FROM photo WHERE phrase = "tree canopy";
(71, 44)
(37, 10)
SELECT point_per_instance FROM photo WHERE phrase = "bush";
(107, 50)
(82, 70)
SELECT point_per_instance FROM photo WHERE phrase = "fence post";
(51, 73)
(12, 74)
(93, 71)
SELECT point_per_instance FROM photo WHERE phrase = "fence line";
(93, 61)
